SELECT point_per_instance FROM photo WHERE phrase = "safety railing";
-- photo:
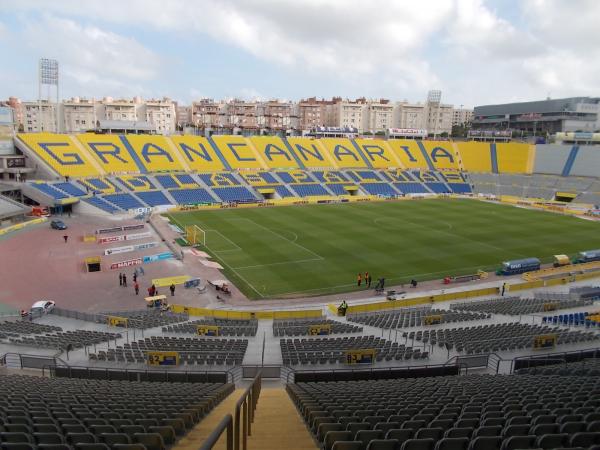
(244, 413)
(225, 425)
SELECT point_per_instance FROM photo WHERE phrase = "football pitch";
(294, 251)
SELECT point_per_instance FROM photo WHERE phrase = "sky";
(476, 51)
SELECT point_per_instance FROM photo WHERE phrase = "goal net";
(195, 235)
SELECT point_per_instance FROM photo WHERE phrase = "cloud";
(473, 50)
(94, 59)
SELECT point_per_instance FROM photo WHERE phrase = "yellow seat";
(109, 152)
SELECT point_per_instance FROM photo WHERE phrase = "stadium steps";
(287, 185)
(198, 179)
(194, 439)
(277, 424)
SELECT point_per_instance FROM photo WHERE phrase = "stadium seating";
(310, 153)
(586, 163)
(274, 152)
(227, 327)
(61, 153)
(258, 178)
(123, 201)
(154, 198)
(400, 176)
(409, 153)
(102, 204)
(50, 190)
(136, 183)
(329, 176)
(64, 413)
(496, 337)
(62, 339)
(551, 158)
(281, 190)
(234, 194)
(70, 189)
(191, 196)
(191, 350)
(478, 412)
(377, 153)
(409, 317)
(300, 327)
(295, 176)
(411, 188)
(238, 152)
(308, 190)
(383, 189)
(343, 153)
(143, 319)
(110, 152)
(514, 157)
(517, 306)
(219, 179)
(333, 350)
(441, 154)
(475, 156)
(339, 188)
(10, 328)
(154, 153)
(198, 153)
(101, 185)
(363, 176)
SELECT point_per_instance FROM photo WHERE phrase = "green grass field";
(319, 249)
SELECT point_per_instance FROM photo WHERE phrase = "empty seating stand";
(406, 317)
(300, 327)
(62, 339)
(475, 412)
(40, 412)
(517, 306)
(149, 318)
(226, 327)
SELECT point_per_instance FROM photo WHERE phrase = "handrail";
(225, 424)
(368, 369)
(245, 407)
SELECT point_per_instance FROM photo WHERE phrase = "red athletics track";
(35, 263)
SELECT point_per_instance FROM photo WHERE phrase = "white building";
(40, 117)
(346, 113)
(161, 114)
(462, 117)
(409, 115)
(79, 115)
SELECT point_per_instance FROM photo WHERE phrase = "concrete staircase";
(277, 424)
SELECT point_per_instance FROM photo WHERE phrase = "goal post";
(195, 235)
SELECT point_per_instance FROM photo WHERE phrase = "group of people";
(367, 279)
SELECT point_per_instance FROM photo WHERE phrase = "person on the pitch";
(368, 279)
(172, 289)
(359, 279)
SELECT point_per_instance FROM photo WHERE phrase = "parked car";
(58, 225)
(42, 307)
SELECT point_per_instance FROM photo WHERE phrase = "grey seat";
(400, 434)
(458, 432)
(347, 445)
(488, 431)
(518, 442)
(544, 428)
(573, 427)
(549, 441)
(366, 436)
(383, 444)
(16, 446)
(96, 446)
(433, 433)
(15, 437)
(461, 443)
(167, 433)
(486, 443)
(332, 436)
(355, 427)
(129, 447)
(585, 439)
(324, 428)
(115, 438)
(81, 438)
(53, 447)
(152, 441)
(418, 444)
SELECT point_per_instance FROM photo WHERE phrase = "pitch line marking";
(278, 263)
(319, 257)
(227, 265)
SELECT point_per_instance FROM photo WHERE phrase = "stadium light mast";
(48, 78)
(434, 98)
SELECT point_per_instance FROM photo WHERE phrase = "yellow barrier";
(208, 330)
(523, 286)
(116, 321)
(168, 281)
(379, 306)
(246, 315)
(156, 358)
(19, 226)
(563, 270)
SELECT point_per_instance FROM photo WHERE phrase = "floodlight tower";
(434, 98)
(48, 85)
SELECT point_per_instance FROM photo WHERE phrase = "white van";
(42, 307)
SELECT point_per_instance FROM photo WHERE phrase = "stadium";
(254, 277)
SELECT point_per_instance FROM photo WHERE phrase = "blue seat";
(49, 190)
(191, 196)
(234, 194)
(154, 198)
(103, 205)
(70, 189)
(438, 188)
(123, 201)
(383, 189)
(460, 188)
(411, 188)
(307, 190)
(167, 181)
